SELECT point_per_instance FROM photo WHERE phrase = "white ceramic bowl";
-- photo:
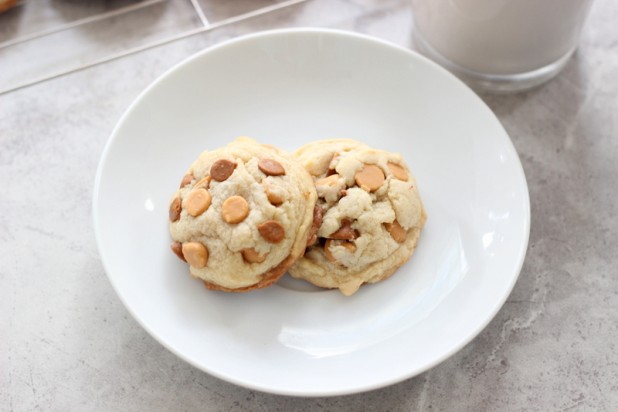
(286, 88)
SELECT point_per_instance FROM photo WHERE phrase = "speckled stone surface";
(68, 343)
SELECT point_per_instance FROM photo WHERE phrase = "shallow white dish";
(286, 88)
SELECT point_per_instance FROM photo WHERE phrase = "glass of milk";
(499, 45)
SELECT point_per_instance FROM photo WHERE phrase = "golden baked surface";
(242, 215)
(372, 214)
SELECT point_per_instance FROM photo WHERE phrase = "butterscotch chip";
(252, 256)
(370, 177)
(195, 253)
(197, 201)
(203, 183)
(177, 249)
(345, 232)
(188, 178)
(273, 198)
(330, 181)
(398, 171)
(234, 209)
(222, 169)
(351, 247)
(271, 167)
(175, 208)
(327, 251)
(350, 287)
(272, 231)
(397, 232)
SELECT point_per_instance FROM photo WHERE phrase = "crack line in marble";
(144, 47)
(200, 13)
(80, 22)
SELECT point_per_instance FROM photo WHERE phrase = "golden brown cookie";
(243, 214)
(372, 214)
(7, 4)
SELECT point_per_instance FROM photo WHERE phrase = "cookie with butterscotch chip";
(242, 216)
(372, 214)
(7, 4)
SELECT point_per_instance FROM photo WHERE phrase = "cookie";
(7, 4)
(242, 216)
(372, 215)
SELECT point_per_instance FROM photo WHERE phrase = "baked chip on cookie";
(372, 214)
(242, 216)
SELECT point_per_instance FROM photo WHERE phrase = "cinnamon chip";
(271, 167)
(177, 249)
(272, 231)
(345, 232)
(222, 169)
(188, 178)
(175, 208)
(317, 222)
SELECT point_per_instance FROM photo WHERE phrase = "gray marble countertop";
(68, 343)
